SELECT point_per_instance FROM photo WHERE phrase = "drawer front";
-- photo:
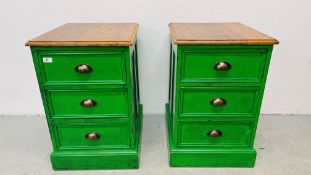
(82, 103)
(215, 134)
(226, 66)
(218, 101)
(84, 68)
(97, 135)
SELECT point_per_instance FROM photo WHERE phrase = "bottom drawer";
(215, 134)
(92, 134)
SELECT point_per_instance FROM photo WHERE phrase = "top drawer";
(97, 67)
(228, 65)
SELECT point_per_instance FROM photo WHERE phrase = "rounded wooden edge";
(86, 43)
(221, 42)
(78, 43)
(271, 41)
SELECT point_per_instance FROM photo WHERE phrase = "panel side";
(39, 75)
(261, 93)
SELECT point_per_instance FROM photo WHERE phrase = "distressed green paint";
(113, 134)
(190, 116)
(197, 100)
(234, 134)
(246, 65)
(109, 102)
(106, 67)
(117, 115)
(100, 158)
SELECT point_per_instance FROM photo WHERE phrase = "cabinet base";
(212, 157)
(100, 159)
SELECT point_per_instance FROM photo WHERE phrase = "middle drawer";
(84, 103)
(224, 101)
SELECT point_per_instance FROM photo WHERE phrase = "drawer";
(223, 66)
(215, 134)
(88, 103)
(92, 134)
(224, 101)
(84, 68)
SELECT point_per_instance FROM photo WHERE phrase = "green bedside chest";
(217, 79)
(88, 78)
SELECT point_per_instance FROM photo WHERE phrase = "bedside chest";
(88, 78)
(217, 79)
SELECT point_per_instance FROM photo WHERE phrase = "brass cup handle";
(92, 136)
(83, 68)
(222, 65)
(88, 103)
(218, 102)
(214, 133)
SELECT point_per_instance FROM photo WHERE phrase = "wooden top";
(218, 34)
(88, 34)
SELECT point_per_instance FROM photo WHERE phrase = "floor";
(283, 144)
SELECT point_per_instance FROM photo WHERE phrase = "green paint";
(194, 83)
(116, 117)
(207, 155)
(106, 67)
(109, 102)
(246, 65)
(194, 133)
(197, 100)
(100, 158)
(112, 134)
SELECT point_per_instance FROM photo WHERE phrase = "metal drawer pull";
(83, 68)
(218, 102)
(92, 136)
(214, 133)
(88, 103)
(222, 65)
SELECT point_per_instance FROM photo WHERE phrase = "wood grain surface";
(218, 34)
(88, 34)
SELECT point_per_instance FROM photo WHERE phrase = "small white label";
(47, 60)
